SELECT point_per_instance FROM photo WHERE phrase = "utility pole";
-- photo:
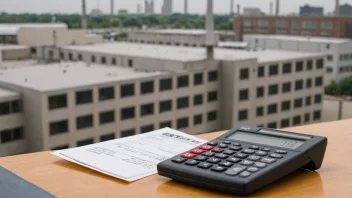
(84, 15)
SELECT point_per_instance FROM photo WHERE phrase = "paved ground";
(330, 110)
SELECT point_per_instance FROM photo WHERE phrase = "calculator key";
(192, 162)
(248, 151)
(241, 155)
(252, 169)
(235, 148)
(281, 151)
(221, 156)
(268, 160)
(245, 174)
(266, 149)
(212, 143)
(260, 165)
(229, 152)
(274, 155)
(201, 158)
(254, 147)
(261, 153)
(226, 142)
(234, 160)
(217, 150)
(247, 163)
(226, 164)
(222, 145)
(236, 144)
(206, 147)
(209, 154)
(179, 160)
(204, 165)
(188, 155)
(218, 169)
(197, 151)
(213, 160)
(253, 158)
(235, 170)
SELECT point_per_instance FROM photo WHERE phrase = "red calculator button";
(206, 147)
(188, 155)
(197, 151)
(217, 150)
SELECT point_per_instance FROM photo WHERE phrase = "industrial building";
(14, 52)
(308, 10)
(338, 62)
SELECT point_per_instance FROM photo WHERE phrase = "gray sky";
(195, 6)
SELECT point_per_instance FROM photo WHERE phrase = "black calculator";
(245, 159)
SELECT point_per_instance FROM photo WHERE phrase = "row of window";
(11, 135)
(10, 107)
(344, 69)
(345, 57)
(165, 43)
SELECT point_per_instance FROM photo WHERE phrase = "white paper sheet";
(134, 157)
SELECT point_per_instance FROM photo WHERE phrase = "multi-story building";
(308, 10)
(338, 27)
(167, 7)
(338, 62)
(14, 52)
(346, 10)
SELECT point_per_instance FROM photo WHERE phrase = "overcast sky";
(195, 6)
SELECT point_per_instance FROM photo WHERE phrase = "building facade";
(346, 10)
(308, 10)
(167, 7)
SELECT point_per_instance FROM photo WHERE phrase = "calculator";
(245, 159)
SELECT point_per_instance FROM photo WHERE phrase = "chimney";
(238, 10)
(111, 11)
(84, 15)
(231, 7)
(186, 6)
(337, 8)
(210, 30)
(277, 7)
(271, 8)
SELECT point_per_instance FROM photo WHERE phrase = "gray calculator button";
(234, 160)
(268, 160)
(179, 160)
(226, 142)
(235, 148)
(209, 154)
(236, 144)
(221, 156)
(218, 169)
(201, 158)
(245, 174)
(229, 152)
(204, 165)
(253, 158)
(226, 164)
(281, 151)
(261, 153)
(252, 169)
(213, 160)
(266, 149)
(254, 147)
(235, 170)
(274, 155)
(241, 155)
(247, 163)
(192, 162)
(222, 145)
(260, 165)
(248, 151)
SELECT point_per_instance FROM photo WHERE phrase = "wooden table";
(66, 179)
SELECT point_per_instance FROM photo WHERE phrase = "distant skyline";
(195, 6)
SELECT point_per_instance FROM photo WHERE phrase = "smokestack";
(111, 11)
(238, 10)
(231, 7)
(337, 9)
(210, 30)
(271, 8)
(186, 6)
(277, 7)
(84, 15)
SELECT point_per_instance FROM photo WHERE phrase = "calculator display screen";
(267, 140)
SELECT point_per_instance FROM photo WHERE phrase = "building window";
(261, 71)
(286, 87)
(182, 81)
(330, 57)
(113, 61)
(83, 122)
(272, 125)
(318, 81)
(243, 115)
(212, 96)
(329, 70)
(60, 147)
(6, 136)
(198, 79)
(182, 123)
(165, 84)
(16, 106)
(4, 108)
(198, 100)
(62, 55)
(107, 117)
(299, 85)
(308, 100)
(296, 120)
(260, 111)
(308, 83)
(55, 102)
(107, 93)
(273, 70)
(147, 109)
(212, 76)
(107, 137)
(260, 92)
(126, 90)
(299, 66)
(285, 123)
(286, 105)
(84, 97)
(244, 74)
(317, 99)
(244, 94)
(309, 65)
(130, 63)
(18, 133)
(103, 60)
(272, 109)
(10, 135)
(198, 119)
(273, 89)
(85, 142)
(287, 68)
(307, 117)
(80, 58)
(320, 63)
(147, 128)
(127, 113)
(165, 106)
(92, 58)
(182, 103)
(298, 103)
(165, 124)
(58, 127)
(127, 133)
(147, 87)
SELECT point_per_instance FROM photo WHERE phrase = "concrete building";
(167, 8)
(14, 52)
(149, 7)
(308, 10)
(247, 11)
(345, 10)
(336, 27)
(338, 51)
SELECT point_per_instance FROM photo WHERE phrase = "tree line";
(343, 88)
(179, 21)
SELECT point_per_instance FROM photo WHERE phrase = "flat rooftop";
(4, 93)
(12, 28)
(183, 31)
(12, 47)
(59, 76)
(300, 38)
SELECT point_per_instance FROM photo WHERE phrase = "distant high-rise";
(186, 6)
(231, 7)
(139, 8)
(149, 7)
(166, 8)
(277, 13)
(84, 15)
(271, 8)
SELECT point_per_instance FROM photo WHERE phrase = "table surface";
(66, 179)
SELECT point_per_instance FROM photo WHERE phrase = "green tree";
(345, 86)
(332, 89)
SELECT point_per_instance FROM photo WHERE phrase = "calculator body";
(245, 159)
